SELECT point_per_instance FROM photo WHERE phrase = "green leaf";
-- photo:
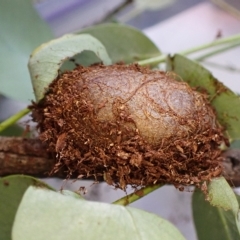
(221, 220)
(12, 189)
(46, 60)
(123, 43)
(21, 31)
(222, 195)
(43, 214)
(226, 103)
(213, 222)
(13, 130)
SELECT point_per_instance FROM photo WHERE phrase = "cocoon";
(129, 125)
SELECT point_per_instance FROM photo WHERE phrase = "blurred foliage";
(21, 31)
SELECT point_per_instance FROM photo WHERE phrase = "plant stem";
(137, 195)
(228, 40)
(14, 118)
(217, 51)
(130, 15)
(110, 15)
(221, 66)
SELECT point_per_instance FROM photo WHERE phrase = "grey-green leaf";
(226, 103)
(222, 195)
(123, 43)
(44, 214)
(21, 31)
(213, 222)
(12, 189)
(46, 60)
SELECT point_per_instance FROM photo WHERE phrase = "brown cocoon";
(129, 125)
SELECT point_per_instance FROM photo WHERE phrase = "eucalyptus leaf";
(225, 102)
(123, 43)
(222, 195)
(21, 31)
(46, 60)
(45, 214)
(213, 222)
(12, 189)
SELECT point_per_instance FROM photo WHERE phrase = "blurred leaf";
(46, 60)
(12, 189)
(153, 4)
(13, 130)
(21, 30)
(220, 194)
(238, 199)
(43, 214)
(213, 222)
(226, 103)
(221, 220)
(123, 43)
(235, 144)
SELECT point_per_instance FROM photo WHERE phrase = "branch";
(29, 156)
(24, 156)
(231, 166)
(111, 14)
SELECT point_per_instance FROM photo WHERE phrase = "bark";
(24, 156)
(231, 166)
(29, 156)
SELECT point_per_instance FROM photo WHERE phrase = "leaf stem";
(14, 118)
(221, 66)
(217, 51)
(137, 195)
(217, 42)
(162, 58)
